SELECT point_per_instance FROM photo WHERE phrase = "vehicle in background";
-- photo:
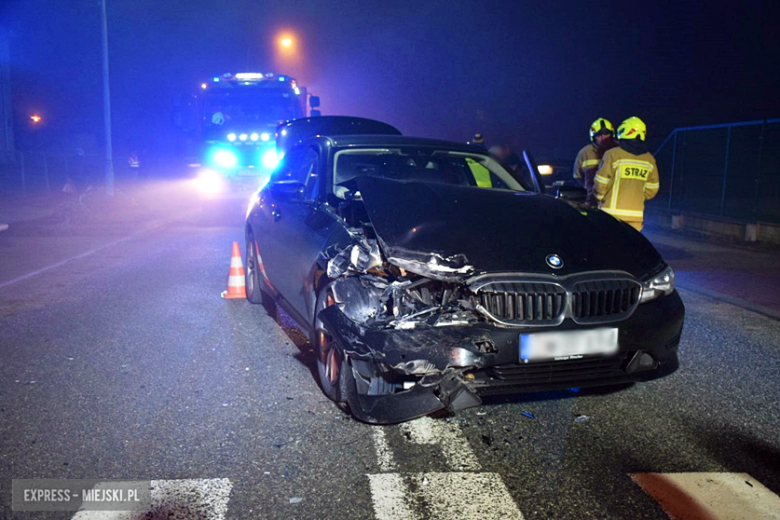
(233, 144)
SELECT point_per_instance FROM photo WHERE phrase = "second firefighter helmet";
(599, 126)
(632, 128)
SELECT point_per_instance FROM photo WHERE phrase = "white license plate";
(570, 344)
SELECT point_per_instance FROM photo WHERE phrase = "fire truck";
(234, 142)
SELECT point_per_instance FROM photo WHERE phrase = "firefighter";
(588, 159)
(627, 175)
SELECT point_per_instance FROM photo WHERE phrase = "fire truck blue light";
(225, 159)
(270, 159)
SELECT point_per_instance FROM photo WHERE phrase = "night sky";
(533, 74)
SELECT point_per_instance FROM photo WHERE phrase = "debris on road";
(296, 500)
(529, 415)
(581, 418)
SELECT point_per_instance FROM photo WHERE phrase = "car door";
(532, 172)
(294, 231)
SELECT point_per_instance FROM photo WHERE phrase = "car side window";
(290, 166)
(311, 169)
(300, 164)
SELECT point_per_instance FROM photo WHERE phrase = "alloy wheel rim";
(329, 354)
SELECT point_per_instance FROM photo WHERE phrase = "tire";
(333, 369)
(254, 283)
(252, 273)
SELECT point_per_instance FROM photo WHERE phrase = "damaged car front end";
(425, 331)
(431, 295)
(418, 345)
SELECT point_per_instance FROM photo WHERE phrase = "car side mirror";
(572, 193)
(314, 101)
(287, 190)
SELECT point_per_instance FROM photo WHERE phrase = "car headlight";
(661, 284)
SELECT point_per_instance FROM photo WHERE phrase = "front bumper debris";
(451, 367)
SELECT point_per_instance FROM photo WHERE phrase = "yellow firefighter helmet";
(632, 128)
(601, 125)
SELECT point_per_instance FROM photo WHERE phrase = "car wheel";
(254, 284)
(252, 273)
(333, 368)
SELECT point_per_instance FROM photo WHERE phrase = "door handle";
(277, 215)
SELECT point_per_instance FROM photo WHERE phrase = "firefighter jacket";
(585, 166)
(626, 178)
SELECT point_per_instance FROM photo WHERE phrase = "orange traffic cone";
(236, 284)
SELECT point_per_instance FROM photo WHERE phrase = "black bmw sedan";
(427, 275)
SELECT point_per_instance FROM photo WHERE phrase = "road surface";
(118, 360)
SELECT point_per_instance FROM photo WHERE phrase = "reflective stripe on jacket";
(587, 159)
(624, 181)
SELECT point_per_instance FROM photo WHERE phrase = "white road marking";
(448, 437)
(714, 496)
(206, 499)
(463, 493)
(442, 496)
(63, 262)
(384, 454)
(391, 497)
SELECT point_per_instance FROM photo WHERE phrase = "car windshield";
(247, 107)
(421, 164)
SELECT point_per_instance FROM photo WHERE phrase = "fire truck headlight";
(265, 136)
(243, 137)
(270, 159)
(209, 182)
(231, 137)
(254, 136)
(225, 158)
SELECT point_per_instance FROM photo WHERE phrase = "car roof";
(347, 141)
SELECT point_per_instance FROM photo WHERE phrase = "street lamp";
(286, 42)
(35, 118)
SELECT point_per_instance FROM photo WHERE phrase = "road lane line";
(384, 454)
(714, 496)
(205, 499)
(448, 437)
(464, 493)
(442, 496)
(63, 262)
(391, 498)
(149, 226)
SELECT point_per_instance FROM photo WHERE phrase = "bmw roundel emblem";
(554, 261)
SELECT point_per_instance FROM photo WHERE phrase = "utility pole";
(107, 105)
(6, 115)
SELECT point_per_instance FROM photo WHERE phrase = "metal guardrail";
(730, 171)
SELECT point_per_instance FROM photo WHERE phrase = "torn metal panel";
(358, 257)
(435, 348)
(360, 298)
(430, 264)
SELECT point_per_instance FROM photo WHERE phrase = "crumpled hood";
(450, 232)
